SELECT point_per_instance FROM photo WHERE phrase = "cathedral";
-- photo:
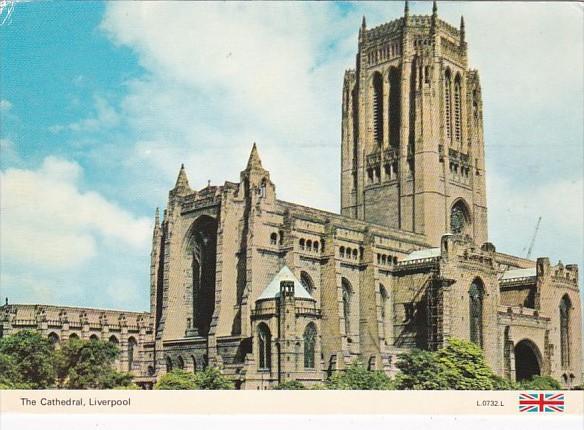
(269, 290)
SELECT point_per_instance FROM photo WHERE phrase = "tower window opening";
(378, 108)
(447, 104)
(459, 218)
(394, 108)
(457, 110)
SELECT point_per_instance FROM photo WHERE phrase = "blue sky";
(101, 102)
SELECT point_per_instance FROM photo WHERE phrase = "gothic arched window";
(384, 311)
(475, 295)
(264, 347)
(394, 107)
(54, 339)
(346, 295)
(203, 248)
(565, 306)
(448, 103)
(457, 109)
(180, 362)
(378, 108)
(309, 346)
(459, 217)
(306, 282)
(131, 348)
(168, 364)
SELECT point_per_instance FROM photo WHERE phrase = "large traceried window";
(309, 346)
(346, 296)
(202, 246)
(475, 295)
(565, 306)
(264, 347)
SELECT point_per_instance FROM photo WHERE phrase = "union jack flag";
(541, 402)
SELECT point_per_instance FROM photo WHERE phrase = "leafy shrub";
(357, 377)
(540, 383)
(290, 385)
(208, 379)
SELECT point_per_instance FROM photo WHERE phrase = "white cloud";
(105, 117)
(225, 75)
(514, 212)
(47, 220)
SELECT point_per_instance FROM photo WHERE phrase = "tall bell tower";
(412, 130)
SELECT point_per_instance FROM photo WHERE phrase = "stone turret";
(255, 180)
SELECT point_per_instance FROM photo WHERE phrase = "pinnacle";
(254, 161)
(182, 180)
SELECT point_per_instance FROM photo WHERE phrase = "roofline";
(74, 307)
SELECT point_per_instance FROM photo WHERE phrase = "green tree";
(208, 379)
(10, 378)
(420, 370)
(460, 365)
(465, 367)
(177, 379)
(290, 385)
(28, 360)
(83, 364)
(357, 377)
(540, 383)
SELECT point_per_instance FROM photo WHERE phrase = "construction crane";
(533, 238)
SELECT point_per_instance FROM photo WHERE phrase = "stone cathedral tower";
(412, 131)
